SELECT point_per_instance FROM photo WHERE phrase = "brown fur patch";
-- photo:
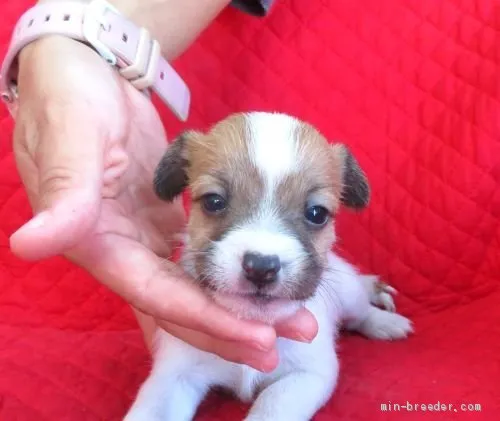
(219, 163)
(318, 182)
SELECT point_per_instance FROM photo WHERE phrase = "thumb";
(64, 176)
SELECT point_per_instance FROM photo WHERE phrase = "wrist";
(42, 48)
(175, 24)
(47, 30)
(51, 44)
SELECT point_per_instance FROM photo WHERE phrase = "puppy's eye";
(317, 215)
(213, 203)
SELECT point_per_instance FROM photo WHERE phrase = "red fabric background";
(413, 87)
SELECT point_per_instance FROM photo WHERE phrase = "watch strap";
(119, 41)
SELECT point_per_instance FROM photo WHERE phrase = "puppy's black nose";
(260, 269)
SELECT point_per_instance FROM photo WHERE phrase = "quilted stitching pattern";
(412, 87)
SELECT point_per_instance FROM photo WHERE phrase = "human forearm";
(174, 23)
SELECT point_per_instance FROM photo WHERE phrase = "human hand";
(86, 145)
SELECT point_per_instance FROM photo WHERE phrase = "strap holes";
(66, 18)
(124, 37)
(31, 23)
(162, 75)
(47, 18)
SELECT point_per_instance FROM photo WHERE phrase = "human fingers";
(59, 143)
(66, 184)
(301, 326)
(161, 289)
(229, 350)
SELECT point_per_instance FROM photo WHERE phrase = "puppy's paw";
(380, 293)
(381, 324)
(383, 297)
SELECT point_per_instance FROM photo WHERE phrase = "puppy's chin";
(264, 309)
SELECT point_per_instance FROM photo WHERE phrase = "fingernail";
(260, 346)
(267, 362)
(264, 367)
(265, 341)
(302, 338)
(297, 336)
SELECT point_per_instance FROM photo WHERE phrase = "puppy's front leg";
(294, 397)
(360, 298)
(167, 395)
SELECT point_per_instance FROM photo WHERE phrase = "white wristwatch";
(121, 43)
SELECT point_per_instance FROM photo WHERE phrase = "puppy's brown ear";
(355, 186)
(171, 177)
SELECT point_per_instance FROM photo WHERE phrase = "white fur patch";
(306, 375)
(382, 324)
(273, 146)
(227, 268)
(229, 252)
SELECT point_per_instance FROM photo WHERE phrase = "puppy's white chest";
(246, 382)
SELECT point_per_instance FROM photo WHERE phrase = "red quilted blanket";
(413, 87)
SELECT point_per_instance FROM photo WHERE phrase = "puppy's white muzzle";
(255, 271)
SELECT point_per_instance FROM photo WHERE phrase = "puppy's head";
(265, 190)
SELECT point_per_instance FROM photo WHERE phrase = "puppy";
(265, 191)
